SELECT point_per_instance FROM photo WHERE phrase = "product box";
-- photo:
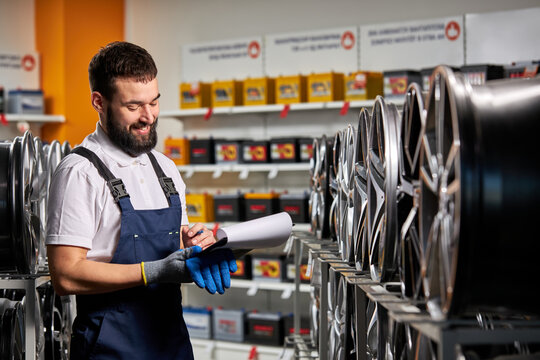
(244, 267)
(325, 87)
(259, 91)
(177, 150)
(255, 152)
(305, 146)
(194, 95)
(363, 85)
(480, 73)
(229, 325)
(296, 205)
(291, 89)
(261, 204)
(522, 69)
(265, 328)
(268, 267)
(201, 151)
(397, 82)
(198, 321)
(229, 207)
(289, 325)
(227, 151)
(200, 207)
(290, 270)
(227, 93)
(284, 150)
(26, 102)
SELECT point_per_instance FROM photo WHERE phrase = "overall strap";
(118, 190)
(166, 182)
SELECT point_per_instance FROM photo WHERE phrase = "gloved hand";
(172, 269)
(212, 270)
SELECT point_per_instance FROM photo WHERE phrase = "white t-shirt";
(81, 210)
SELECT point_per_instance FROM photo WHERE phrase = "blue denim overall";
(141, 322)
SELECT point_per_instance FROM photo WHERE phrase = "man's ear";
(98, 102)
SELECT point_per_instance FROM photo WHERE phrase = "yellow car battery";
(177, 149)
(290, 89)
(200, 207)
(227, 93)
(325, 87)
(194, 95)
(259, 91)
(363, 85)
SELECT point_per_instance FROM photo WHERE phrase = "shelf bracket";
(189, 173)
(243, 174)
(286, 294)
(217, 173)
(252, 290)
(272, 174)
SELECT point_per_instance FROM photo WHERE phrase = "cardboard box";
(227, 93)
(325, 87)
(363, 85)
(177, 150)
(291, 89)
(259, 91)
(194, 95)
(200, 207)
(261, 204)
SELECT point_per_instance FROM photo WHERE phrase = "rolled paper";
(264, 232)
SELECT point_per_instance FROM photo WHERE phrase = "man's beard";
(127, 141)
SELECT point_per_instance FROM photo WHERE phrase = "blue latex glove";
(212, 270)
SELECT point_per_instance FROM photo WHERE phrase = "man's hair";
(123, 60)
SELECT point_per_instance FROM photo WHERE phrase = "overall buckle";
(118, 189)
(168, 186)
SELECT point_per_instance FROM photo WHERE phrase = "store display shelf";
(232, 110)
(243, 169)
(215, 345)
(35, 118)
(253, 286)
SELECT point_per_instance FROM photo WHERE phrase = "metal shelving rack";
(447, 334)
(29, 284)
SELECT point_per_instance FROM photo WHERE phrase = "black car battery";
(522, 69)
(255, 152)
(227, 151)
(201, 151)
(305, 146)
(480, 73)
(296, 205)
(284, 150)
(265, 328)
(396, 83)
(229, 207)
(244, 267)
(261, 204)
(288, 325)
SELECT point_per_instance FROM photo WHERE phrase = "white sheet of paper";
(264, 232)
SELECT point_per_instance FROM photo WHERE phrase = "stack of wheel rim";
(319, 201)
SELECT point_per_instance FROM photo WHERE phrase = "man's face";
(131, 116)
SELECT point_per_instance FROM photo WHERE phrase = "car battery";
(198, 321)
(194, 95)
(2, 101)
(288, 325)
(259, 91)
(522, 69)
(265, 328)
(229, 325)
(296, 205)
(305, 146)
(227, 151)
(325, 87)
(26, 102)
(480, 73)
(255, 152)
(363, 85)
(291, 89)
(426, 78)
(227, 93)
(397, 82)
(261, 204)
(200, 207)
(284, 150)
(290, 271)
(201, 151)
(177, 150)
(229, 207)
(244, 267)
(268, 267)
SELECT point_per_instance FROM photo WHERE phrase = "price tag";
(309, 267)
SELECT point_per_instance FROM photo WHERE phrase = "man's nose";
(146, 114)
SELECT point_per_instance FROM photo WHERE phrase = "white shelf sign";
(503, 37)
(412, 44)
(223, 60)
(312, 52)
(19, 70)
